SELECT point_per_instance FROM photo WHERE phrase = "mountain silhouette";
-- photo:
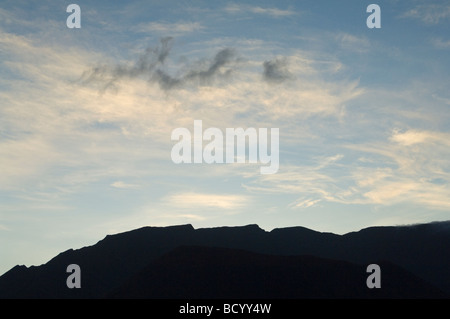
(414, 263)
(211, 272)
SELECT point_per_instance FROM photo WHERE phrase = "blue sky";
(86, 117)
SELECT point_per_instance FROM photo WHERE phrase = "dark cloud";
(276, 70)
(219, 67)
(222, 58)
(106, 76)
(150, 65)
(166, 81)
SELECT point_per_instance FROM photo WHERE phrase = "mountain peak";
(249, 227)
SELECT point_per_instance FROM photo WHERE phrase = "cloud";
(305, 203)
(276, 70)
(273, 12)
(72, 137)
(412, 137)
(199, 75)
(440, 43)
(123, 185)
(297, 179)
(409, 167)
(197, 200)
(225, 80)
(83, 136)
(24, 157)
(169, 28)
(64, 140)
(187, 216)
(417, 170)
(351, 42)
(150, 66)
(107, 76)
(429, 13)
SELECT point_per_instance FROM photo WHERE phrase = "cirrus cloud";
(190, 200)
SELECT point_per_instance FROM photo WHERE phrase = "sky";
(86, 117)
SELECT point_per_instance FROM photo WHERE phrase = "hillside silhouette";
(295, 262)
(211, 272)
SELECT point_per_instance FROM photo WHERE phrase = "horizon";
(88, 107)
(223, 226)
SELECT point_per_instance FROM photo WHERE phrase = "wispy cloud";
(409, 167)
(101, 128)
(305, 203)
(429, 13)
(411, 137)
(352, 42)
(411, 176)
(195, 200)
(166, 28)
(297, 179)
(273, 12)
(123, 185)
(440, 43)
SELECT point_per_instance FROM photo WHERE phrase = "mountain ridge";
(420, 249)
(234, 273)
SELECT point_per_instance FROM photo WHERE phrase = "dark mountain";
(422, 250)
(210, 272)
